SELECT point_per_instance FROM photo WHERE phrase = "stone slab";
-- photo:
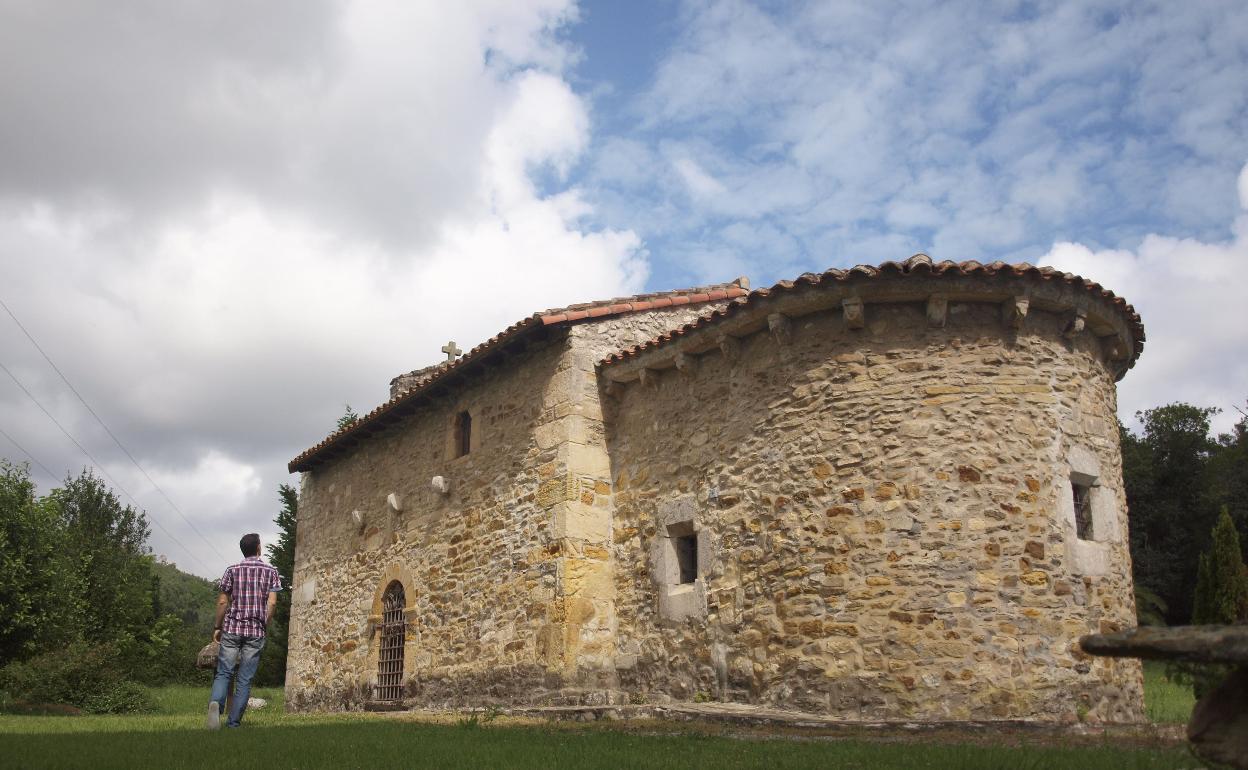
(751, 715)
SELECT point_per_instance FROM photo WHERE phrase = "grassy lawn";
(173, 737)
(1165, 701)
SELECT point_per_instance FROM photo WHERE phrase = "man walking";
(248, 596)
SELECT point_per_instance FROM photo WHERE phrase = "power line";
(111, 435)
(100, 466)
(22, 449)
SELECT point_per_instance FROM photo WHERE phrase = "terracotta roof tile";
(406, 403)
(920, 265)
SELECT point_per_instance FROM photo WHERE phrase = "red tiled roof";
(918, 265)
(641, 302)
(407, 402)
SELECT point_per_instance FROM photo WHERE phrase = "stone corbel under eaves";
(1077, 323)
(685, 364)
(854, 311)
(781, 328)
(1017, 299)
(1014, 310)
(937, 311)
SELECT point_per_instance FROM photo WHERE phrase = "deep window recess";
(390, 654)
(687, 557)
(463, 434)
(1083, 509)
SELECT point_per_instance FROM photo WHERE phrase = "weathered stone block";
(585, 460)
(558, 490)
(576, 520)
(1034, 578)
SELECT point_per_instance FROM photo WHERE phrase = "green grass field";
(1165, 701)
(173, 737)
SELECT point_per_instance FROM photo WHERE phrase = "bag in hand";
(207, 657)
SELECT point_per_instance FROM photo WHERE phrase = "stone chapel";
(888, 492)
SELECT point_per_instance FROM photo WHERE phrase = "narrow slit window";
(687, 557)
(463, 434)
(1083, 510)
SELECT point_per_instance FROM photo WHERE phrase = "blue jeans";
(241, 653)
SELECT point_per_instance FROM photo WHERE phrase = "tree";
(1221, 599)
(1170, 500)
(40, 595)
(189, 600)
(84, 614)
(282, 557)
(1221, 584)
(107, 542)
(348, 418)
(1228, 471)
(282, 553)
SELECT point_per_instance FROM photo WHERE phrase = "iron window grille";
(390, 654)
(1083, 510)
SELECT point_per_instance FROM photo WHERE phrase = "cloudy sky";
(223, 221)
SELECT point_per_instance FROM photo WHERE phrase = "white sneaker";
(214, 715)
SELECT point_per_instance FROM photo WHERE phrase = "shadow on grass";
(383, 744)
(24, 709)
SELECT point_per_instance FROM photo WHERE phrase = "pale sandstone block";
(574, 519)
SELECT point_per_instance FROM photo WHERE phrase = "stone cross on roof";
(451, 350)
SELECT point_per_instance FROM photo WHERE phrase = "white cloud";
(972, 131)
(224, 220)
(700, 183)
(222, 247)
(908, 214)
(1191, 297)
(218, 485)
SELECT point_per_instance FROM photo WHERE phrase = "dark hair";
(250, 544)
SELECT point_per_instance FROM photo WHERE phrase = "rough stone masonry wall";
(883, 522)
(507, 578)
(477, 564)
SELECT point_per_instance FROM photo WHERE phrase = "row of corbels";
(394, 504)
(1013, 312)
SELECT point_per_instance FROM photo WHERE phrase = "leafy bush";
(122, 698)
(89, 677)
(164, 654)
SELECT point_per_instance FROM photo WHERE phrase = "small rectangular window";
(463, 434)
(1083, 510)
(687, 557)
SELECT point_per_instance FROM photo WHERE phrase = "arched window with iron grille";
(390, 653)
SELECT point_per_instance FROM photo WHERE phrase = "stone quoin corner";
(888, 492)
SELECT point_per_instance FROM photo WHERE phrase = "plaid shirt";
(248, 583)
